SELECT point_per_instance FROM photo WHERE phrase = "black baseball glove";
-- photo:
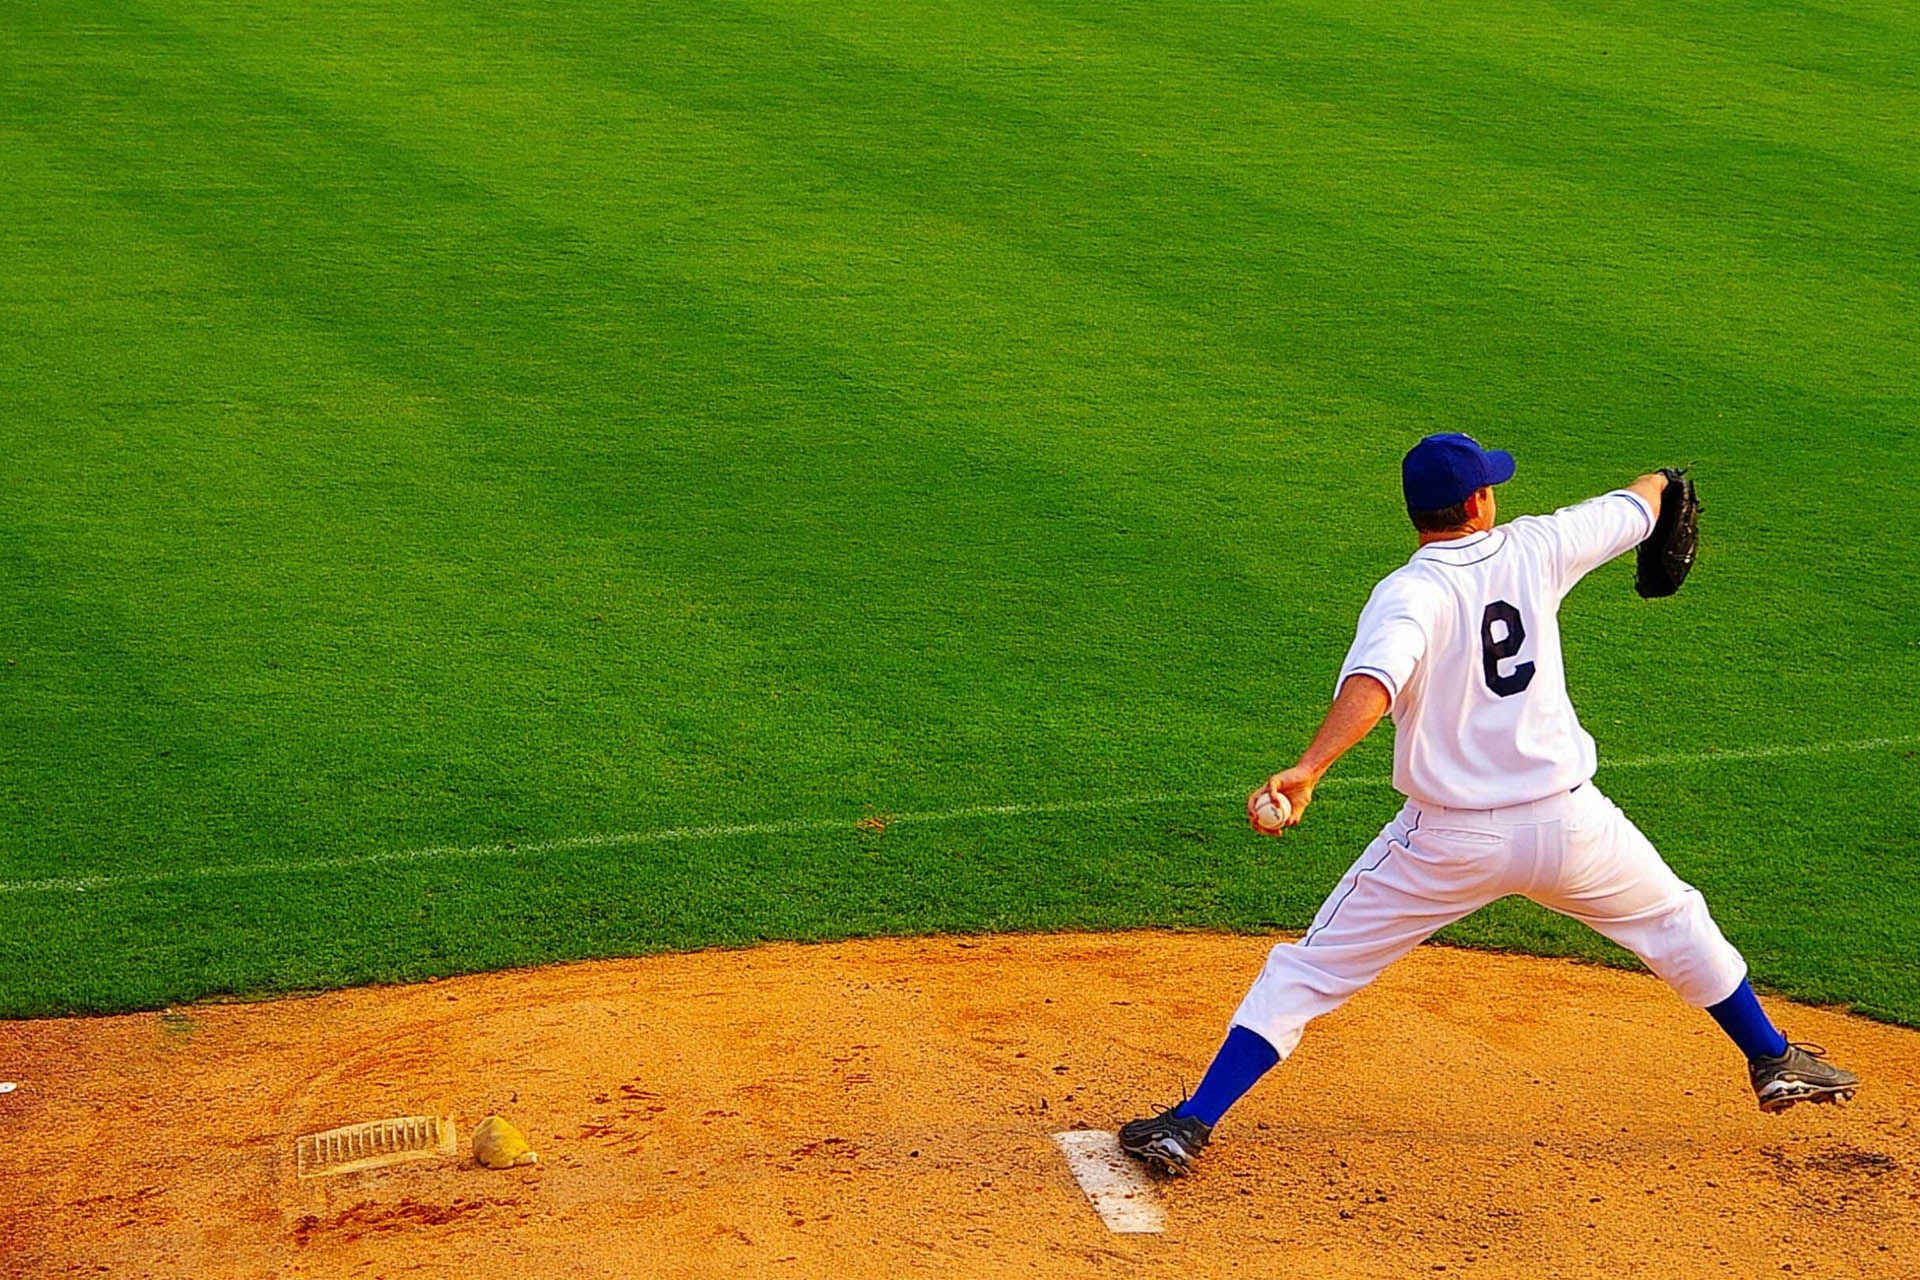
(1666, 557)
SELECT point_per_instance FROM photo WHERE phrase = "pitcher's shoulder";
(1417, 585)
(1534, 530)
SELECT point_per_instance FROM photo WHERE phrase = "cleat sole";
(1159, 1161)
(1781, 1101)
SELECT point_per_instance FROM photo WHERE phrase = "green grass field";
(437, 425)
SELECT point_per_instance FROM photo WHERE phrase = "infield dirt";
(877, 1107)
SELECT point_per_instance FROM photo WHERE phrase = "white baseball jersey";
(1466, 638)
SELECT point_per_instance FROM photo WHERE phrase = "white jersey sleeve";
(1394, 633)
(1586, 535)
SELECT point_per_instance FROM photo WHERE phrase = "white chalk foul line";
(808, 826)
(1778, 751)
(1115, 1184)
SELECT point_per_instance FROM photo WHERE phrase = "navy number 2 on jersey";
(1494, 651)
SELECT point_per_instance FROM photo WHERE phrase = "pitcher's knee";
(1296, 985)
(1686, 949)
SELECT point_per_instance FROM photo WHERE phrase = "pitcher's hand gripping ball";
(1268, 810)
(1666, 557)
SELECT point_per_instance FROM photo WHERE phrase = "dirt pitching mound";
(883, 1107)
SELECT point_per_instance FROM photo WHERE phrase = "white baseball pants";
(1574, 853)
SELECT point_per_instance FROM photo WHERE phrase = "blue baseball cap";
(1443, 470)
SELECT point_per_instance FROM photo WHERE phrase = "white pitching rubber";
(1115, 1184)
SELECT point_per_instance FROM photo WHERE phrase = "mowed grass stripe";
(1611, 204)
(1313, 183)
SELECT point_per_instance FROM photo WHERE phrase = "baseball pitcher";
(1462, 645)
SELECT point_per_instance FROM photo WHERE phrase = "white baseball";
(1270, 812)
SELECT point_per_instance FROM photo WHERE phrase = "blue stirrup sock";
(1742, 1018)
(1243, 1059)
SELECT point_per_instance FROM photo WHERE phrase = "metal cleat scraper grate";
(373, 1144)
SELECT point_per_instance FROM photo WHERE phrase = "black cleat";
(1168, 1142)
(1799, 1075)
